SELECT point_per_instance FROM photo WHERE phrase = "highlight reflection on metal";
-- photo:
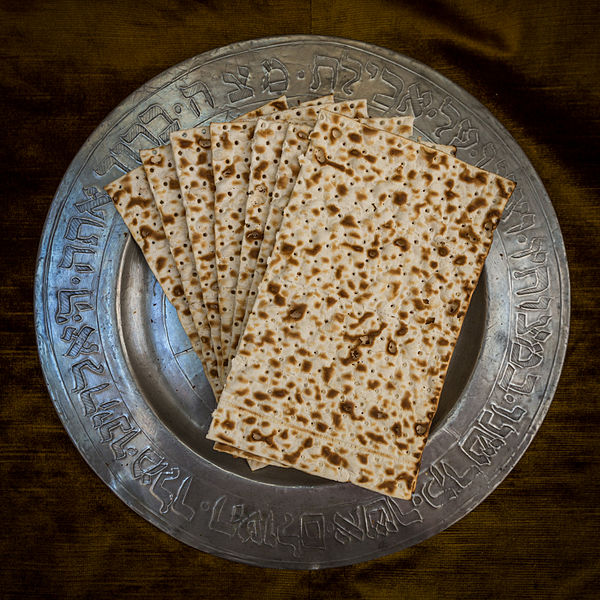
(132, 395)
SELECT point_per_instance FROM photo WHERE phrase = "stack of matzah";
(322, 264)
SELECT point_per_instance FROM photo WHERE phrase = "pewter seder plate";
(132, 395)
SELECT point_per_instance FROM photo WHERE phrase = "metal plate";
(132, 394)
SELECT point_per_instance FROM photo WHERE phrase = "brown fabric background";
(65, 65)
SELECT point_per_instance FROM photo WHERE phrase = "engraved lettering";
(286, 535)
(405, 517)
(69, 260)
(108, 162)
(526, 221)
(515, 415)
(349, 527)
(537, 330)
(79, 341)
(538, 280)
(355, 68)
(218, 519)
(270, 533)
(147, 465)
(162, 124)
(541, 303)
(172, 498)
(104, 412)
(502, 169)
(70, 305)
(192, 90)
(240, 81)
(312, 531)
(120, 448)
(449, 113)
(111, 420)
(535, 251)
(466, 137)
(140, 134)
(492, 422)
(372, 69)
(489, 153)
(390, 102)
(251, 528)
(441, 483)
(479, 445)
(159, 491)
(416, 100)
(74, 233)
(88, 399)
(324, 63)
(109, 433)
(94, 200)
(379, 519)
(525, 354)
(80, 380)
(507, 381)
(499, 421)
(179, 505)
(276, 77)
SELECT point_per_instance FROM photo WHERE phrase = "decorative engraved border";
(172, 488)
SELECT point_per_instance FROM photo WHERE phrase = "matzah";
(231, 152)
(269, 135)
(133, 200)
(342, 362)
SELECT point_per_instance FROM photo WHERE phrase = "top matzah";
(342, 362)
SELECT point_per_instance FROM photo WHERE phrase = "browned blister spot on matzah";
(382, 348)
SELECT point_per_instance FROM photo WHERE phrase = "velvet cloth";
(65, 65)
